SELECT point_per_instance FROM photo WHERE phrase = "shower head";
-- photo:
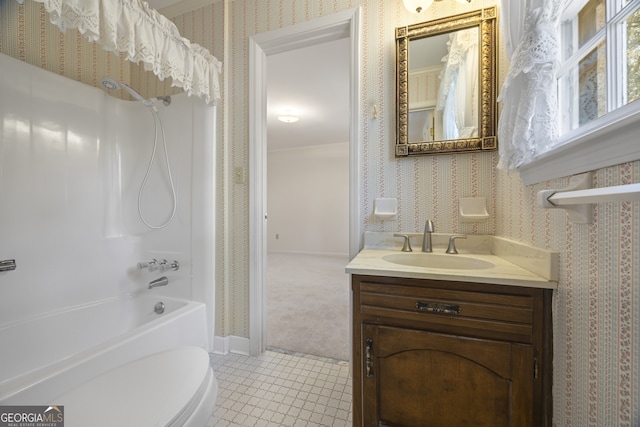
(112, 84)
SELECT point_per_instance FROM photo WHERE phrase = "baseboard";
(231, 344)
(307, 253)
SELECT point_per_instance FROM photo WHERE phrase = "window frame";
(582, 150)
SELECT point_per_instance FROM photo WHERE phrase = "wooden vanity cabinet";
(440, 353)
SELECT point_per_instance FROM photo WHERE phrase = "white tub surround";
(48, 355)
(180, 378)
(72, 160)
(515, 264)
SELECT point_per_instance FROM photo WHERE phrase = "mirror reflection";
(446, 85)
(443, 86)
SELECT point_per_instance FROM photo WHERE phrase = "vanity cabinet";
(442, 353)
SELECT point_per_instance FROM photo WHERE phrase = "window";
(590, 82)
(598, 88)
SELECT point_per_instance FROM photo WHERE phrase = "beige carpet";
(308, 304)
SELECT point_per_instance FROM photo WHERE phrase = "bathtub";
(43, 357)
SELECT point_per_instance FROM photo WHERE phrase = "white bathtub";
(45, 356)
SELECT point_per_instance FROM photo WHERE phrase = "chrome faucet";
(161, 281)
(8, 265)
(168, 266)
(426, 237)
(163, 265)
(150, 265)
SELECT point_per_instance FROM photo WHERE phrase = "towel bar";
(578, 198)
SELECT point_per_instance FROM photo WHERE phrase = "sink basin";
(438, 261)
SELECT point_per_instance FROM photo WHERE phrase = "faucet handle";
(168, 266)
(406, 247)
(150, 265)
(451, 249)
(8, 265)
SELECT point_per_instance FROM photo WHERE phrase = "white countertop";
(370, 262)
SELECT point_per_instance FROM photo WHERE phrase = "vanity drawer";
(480, 313)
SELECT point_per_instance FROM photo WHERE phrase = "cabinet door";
(420, 379)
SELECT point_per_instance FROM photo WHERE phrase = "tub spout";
(162, 281)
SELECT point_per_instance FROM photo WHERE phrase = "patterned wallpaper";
(27, 35)
(597, 304)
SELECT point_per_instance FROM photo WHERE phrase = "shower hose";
(156, 121)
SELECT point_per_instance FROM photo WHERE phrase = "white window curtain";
(458, 93)
(145, 35)
(528, 123)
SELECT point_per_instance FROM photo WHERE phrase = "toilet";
(175, 387)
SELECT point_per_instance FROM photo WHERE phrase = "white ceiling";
(428, 51)
(314, 82)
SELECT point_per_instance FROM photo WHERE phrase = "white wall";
(71, 162)
(308, 199)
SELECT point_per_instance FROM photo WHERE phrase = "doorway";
(332, 27)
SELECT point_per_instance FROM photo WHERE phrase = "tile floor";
(281, 389)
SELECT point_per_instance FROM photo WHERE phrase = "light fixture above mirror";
(418, 6)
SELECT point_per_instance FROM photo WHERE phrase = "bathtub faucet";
(8, 265)
(168, 266)
(162, 281)
(150, 265)
(163, 265)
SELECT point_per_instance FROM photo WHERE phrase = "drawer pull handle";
(436, 307)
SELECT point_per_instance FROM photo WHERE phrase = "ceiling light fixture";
(418, 6)
(288, 118)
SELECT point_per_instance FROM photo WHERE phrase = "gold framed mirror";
(446, 85)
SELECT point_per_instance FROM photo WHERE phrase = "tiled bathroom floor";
(279, 389)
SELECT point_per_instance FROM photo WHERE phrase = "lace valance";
(528, 124)
(131, 26)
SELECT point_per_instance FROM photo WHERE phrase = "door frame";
(345, 24)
